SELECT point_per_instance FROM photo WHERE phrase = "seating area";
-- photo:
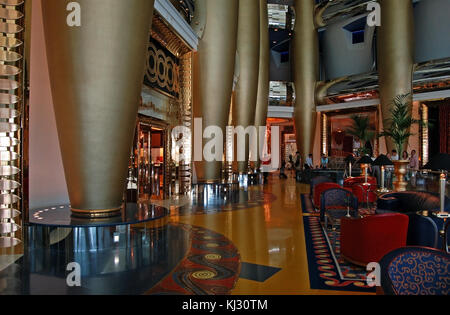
(374, 226)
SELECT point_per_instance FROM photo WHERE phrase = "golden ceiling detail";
(167, 38)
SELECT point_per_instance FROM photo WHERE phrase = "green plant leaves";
(400, 123)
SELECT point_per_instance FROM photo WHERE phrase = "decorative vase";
(400, 170)
(96, 73)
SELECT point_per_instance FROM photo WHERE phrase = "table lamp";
(365, 161)
(383, 161)
(440, 163)
(349, 160)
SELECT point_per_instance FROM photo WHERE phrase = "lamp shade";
(440, 162)
(365, 160)
(382, 160)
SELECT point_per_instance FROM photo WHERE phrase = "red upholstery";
(319, 189)
(364, 192)
(350, 182)
(369, 239)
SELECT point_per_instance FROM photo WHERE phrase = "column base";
(97, 214)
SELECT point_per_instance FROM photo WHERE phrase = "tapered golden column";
(96, 71)
(248, 47)
(305, 72)
(214, 62)
(262, 101)
(395, 54)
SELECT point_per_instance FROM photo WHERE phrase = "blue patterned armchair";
(416, 271)
(318, 180)
(337, 200)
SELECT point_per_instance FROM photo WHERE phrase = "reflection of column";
(96, 73)
(248, 47)
(262, 102)
(306, 69)
(395, 54)
(214, 70)
(425, 135)
(325, 134)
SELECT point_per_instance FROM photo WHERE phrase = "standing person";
(298, 165)
(310, 162)
(394, 155)
(376, 172)
(298, 161)
(405, 156)
(282, 170)
(414, 161)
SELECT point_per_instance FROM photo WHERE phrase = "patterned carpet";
(327, 270)
(211, 267)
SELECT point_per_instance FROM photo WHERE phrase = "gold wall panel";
(162, 70)
(213, 72)
(305, 72)
(96, 72)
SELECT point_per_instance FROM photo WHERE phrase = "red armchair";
(365, 193)
(319, 189)
(369, 239)
(350, 182)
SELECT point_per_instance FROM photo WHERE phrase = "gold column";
(96, 73)
(395, 54)
(248, 47)
(213, 71)
(262, 101)
(306, 69)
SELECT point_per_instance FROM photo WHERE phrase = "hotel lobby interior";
(225, 147)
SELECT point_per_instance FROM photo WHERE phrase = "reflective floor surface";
(252, 250)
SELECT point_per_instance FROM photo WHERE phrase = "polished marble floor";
(263, 244)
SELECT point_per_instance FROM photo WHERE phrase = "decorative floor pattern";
(211, 267)
(327, 270)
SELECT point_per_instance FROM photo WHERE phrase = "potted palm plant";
(398, 128)
(362, 130)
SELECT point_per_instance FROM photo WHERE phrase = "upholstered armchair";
(423, 231)
(365, 193)
(319, 189)
(368, 239)
(318, 180)
(410, 202)
(415, 271)
(338, 200)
